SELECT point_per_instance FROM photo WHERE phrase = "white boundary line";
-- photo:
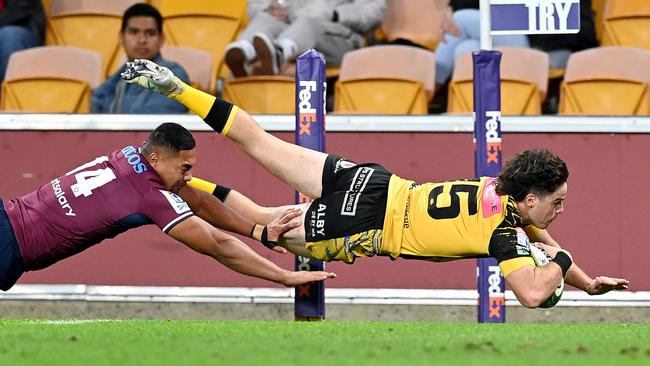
(286, 295)
(335, 123)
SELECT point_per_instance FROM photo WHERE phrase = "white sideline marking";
(71, 321)
(286, 295)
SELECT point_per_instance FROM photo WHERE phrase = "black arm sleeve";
(221, 192)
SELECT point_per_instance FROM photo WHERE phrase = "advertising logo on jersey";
(134, 159)
(523, 244)
(317, 222)
(61, 198)
(177, 203)
(343, 164)
(490, 200)
(352, 195)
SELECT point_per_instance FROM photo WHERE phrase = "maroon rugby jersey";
(93, 202)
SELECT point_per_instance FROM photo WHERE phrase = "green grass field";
(149, 342)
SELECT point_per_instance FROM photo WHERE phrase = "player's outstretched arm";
(576, 277)
(239, 202)
(533, 285)
(211, 209)
(205, 239)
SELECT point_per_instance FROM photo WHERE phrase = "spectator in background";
(463, 35)
(281, 30)
(22, 25)
(560, 46)
(142, 38)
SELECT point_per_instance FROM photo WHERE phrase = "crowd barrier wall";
(604, 211)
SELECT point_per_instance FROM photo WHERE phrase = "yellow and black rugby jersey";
(453, 220)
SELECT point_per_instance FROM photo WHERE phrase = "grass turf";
(155, 342)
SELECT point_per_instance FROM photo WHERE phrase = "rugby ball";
(541, 258)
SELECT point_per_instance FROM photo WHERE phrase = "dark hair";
(531, 171)
(169, 136)
(142, 10)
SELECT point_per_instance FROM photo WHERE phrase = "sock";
(217, 113)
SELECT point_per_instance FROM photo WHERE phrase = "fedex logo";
(492, 136)
(306, 112)
(496, 296)
(303, 265)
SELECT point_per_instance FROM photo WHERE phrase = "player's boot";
(149, 75)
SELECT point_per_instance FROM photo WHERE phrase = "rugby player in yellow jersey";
(362, 210)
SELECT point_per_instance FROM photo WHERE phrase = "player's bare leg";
(297, 166)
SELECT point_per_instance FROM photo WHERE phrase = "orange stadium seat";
(606, 81)
(205, 25)
(262, 94)
(46, 6)
(626, 23)
(524, 82)
(598, 6)
(90, 24)
(419, 21)
(62, 84)
(386, 80)
(197, 63)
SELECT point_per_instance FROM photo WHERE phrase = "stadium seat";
(197, 63)
(606, 81)
(205, 25)
(262, 94)
(524, 82)
(63, 84)
(419, 21)
(46, 6)
(597, 6)
(90, 24)
(626, 23)
(385, 80)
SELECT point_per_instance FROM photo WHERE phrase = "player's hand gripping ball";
(542, 258)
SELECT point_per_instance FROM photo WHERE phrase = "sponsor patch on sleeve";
(491, 201)
(177, 203)
(523, 244)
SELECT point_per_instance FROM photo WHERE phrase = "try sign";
(535, 16)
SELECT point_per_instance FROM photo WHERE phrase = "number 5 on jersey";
(453, 209)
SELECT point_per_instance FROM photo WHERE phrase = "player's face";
(141, 38)
(175, 169)
(546, 208)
